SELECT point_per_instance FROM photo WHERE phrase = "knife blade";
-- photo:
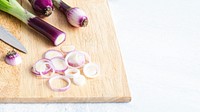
(8, 38)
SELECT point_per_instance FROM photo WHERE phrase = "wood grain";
(18, 84)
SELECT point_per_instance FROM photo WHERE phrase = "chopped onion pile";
(68, 64)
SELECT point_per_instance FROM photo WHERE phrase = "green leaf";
(5, 5)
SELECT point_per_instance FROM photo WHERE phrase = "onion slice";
(51, 68)
(75, 59)
(91, 70)
(59, 64)
(41, 66)
(67, 49)
(52, 54)
(72, 72)
(13, 58)
(87, 56)
(79, 80)
(59, 89)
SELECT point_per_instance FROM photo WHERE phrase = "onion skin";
(75, 16)
(47, 30)
(43, 8)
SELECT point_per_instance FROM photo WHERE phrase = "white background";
(160, 46)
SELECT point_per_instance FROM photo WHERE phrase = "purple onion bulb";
(13, 58)
(43, 8)
(75, 16)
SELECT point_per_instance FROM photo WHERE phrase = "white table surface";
(160, 45)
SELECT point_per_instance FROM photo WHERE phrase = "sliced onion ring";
(79, 80)
(37, 67)
(59, 89)
(75, 59)
(59, 64)
(72, 72)
(87, 56)
(91, 70)
(52, 53)
(52, 73)
(67, 49)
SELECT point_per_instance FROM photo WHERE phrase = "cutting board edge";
(129, 98)
(123, 99)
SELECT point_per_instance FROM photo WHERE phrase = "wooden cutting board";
(18, 84)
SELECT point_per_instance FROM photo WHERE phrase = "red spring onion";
(75, 16)
(59, 64)
(91, 70)
(72, 72)
(59, 89)
(42, 8)
(52, 54)
(79, 80)
(13, 58)
(14, 8)
(52, 33)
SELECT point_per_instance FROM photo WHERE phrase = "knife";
(8, 38)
